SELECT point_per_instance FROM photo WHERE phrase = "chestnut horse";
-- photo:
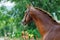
(47, 26)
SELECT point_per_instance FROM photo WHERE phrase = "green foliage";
(10, 21)
(35, 32)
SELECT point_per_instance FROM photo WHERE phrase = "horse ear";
(29, 5)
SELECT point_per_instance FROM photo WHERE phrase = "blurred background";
(12, 12)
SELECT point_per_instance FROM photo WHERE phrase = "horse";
(48, 27)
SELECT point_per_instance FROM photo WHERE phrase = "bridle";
(27, 12)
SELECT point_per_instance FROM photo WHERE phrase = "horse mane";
(46, 13)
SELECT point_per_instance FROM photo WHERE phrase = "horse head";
(27, 18)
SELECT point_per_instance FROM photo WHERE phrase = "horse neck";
(42, 21)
